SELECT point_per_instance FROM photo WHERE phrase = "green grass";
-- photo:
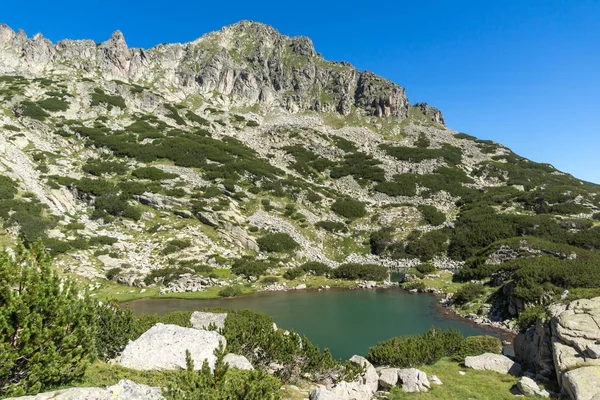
(475, 385)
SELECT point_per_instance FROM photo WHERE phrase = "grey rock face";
(529, 387)
(124, 390)
(582, 383)
(493, 362)
(202, 320)
(432, 113)
(413, 380)
(249, 62)
(533, 349)
(237, 361)
(388, 378)
(164, 347)
(363, 388)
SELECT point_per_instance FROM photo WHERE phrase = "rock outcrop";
(573, 335)
(237, 361)
(163, 347)
(493, 362)
(202, 320)
(124, 390)
(363, 388)
(249, 62)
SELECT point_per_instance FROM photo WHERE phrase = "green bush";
(270, 280)
(277, 242)
(332, 226)
(529, 317)
(431, 215)
(41, 346)
(468, 292)
(152, 173)
(116, 327)
(230, 291)
(102, 240)
(426, 268)
(315, 268)
(33, 110)
(349, 208)
(112, 273)
(99, 97)
(352, 271)
(476, 345)
(249, 268)
(176, 245)
(99, 167)
(294, 273)
(54, 104)
(412, 351)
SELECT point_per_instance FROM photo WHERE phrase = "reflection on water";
(346, 321)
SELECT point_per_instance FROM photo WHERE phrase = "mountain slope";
(168, 166)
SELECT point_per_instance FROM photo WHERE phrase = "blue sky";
(522, 73)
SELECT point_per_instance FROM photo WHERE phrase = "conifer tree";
(47, 327)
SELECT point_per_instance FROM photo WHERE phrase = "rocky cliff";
(567, 345)
(243, 64)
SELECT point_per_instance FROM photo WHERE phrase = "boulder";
(202, 320)
(164, 347)
(237, 361)
(413, 380)
(388, 378)
(582, 383)
(493, 362)
(124, 390)
(529, 387)
(363, 388)
(322, 393)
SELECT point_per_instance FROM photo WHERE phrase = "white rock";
(529, 387)
(124, 390)
(202, 320)
(413, 380)
(237, 361)
(164, 347)
(493, 362)
(435, 380)
(388, 378)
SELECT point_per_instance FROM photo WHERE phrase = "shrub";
(529, 317)
(252, 124)
(412, 351)
(468, 292)
(294, 273)
(431, 215)
(152, 173)
(41, 347)
(270, 280)
(33, 110)
(426, 268)
(54, 104)
(99, 168)
(102, 240)
(315, 197)
(332, 226)
(277, 242)
(176, 245)
(349, 208)
(99, 97)
(352, 271)
(249, 268)
(315, 268)
(476, 345)
(230, 291)
(116, 327)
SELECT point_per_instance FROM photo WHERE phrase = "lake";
(346, 321)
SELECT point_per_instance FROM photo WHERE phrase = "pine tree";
(47, 328)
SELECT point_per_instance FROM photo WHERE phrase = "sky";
(523, 73)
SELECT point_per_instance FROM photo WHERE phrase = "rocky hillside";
(245, 153)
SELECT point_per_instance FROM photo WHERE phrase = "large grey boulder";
(413, 380)
(202, 320)
(363, 388)
(529, 387)
(124, 390)
(582, 383)
(164, 347)
(493, 362)
(322, 393)
(237, 361)
(388, 378)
